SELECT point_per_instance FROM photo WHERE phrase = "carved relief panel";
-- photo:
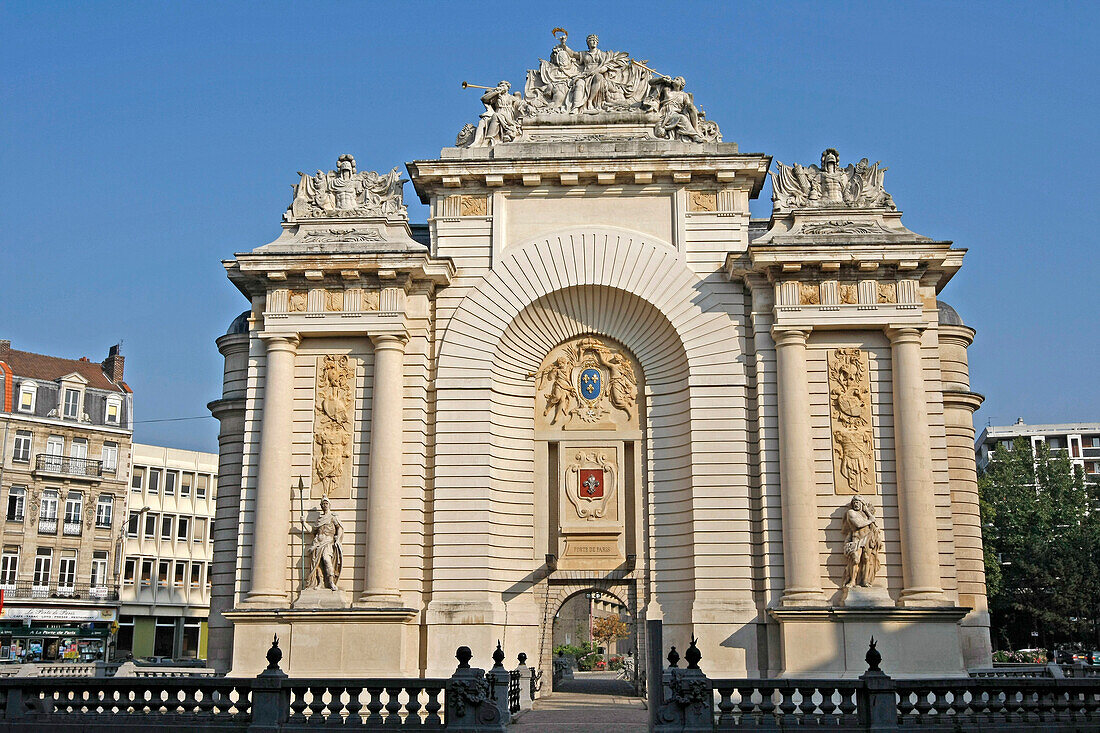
(586, 383)
(333, 425)
(590, 506)
(850, 418)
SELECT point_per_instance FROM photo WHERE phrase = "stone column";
(916, 494)
(383, 571)
(272, 516)
(801, 561)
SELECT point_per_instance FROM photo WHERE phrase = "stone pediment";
(589, 95)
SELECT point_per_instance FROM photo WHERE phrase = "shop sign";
(32, 613)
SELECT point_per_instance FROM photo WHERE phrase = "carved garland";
(850, 412)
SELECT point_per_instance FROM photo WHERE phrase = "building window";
(200, 529)
(200, 487)
(190, 646)
(79, 449)
(55, 448)
(72, 404)
(129, 571)
(150, 526)
(181, 571)
(99, 574)
(22, 452)
(27, 394)
(138, 479)
(166, 527)
(43, 564)
(185, 484)
(154, 481)
(74, 506)
(165, 567)
(147, 572)
(9, 568)
(164, 638)
(124, 640)
(104, 509)
(110, 457)
(170, 478)
(47, 512)
(196, 574)
(66, 576)
(17, 496)
(114, 411)
(183, 528)
(132, 524)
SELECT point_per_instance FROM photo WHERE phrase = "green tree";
(1042, 539)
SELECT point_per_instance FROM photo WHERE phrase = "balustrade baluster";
(939, 701)
(355, 705)
(375, 706)
(412, 707)
(807, 704)
(298, 704)
(725, 705)
(433, 706)
(317, 704)
(828, 702)
(767, 700)
(336, 706)
(393, 706)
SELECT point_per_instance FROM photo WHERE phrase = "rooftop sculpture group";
(346, 193)
(588, 82)
(858, 186)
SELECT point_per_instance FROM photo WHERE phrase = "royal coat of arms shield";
(591, 483)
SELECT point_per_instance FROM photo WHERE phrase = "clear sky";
(143, 143)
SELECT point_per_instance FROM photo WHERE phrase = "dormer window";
(114, 410)
(28, 391)
(72, 404)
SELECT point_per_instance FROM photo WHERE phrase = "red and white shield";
(591, 483)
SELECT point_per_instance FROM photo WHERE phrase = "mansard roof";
(51, 368)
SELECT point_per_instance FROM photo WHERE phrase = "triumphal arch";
(591, 369)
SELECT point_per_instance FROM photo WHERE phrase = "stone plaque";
(333, 425)
(850, 415)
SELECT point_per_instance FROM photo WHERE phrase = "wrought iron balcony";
(71, 529)
(75, 591)
(47, 525)
(67, 466)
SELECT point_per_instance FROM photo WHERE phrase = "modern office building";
(65, 427)
(1080, 441)
(165, 590)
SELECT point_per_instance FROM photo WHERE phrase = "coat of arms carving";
(590, 484)
(850, 412)
(587, 384)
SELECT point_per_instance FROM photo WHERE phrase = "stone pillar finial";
(464, 655)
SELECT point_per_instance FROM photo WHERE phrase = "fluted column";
(272, 516)
(801, 560)
(916, 493)
(383, 571)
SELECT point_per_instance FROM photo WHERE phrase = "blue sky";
(145, 142)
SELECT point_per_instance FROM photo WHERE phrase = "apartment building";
(1079, 441)
(165, 592)
(65, 427)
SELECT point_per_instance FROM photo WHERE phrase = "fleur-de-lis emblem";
(591, 485)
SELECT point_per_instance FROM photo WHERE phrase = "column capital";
(790, 336)
(903, 334)
(389, 340)
(281, 342)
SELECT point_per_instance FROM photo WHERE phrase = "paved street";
(594, 701)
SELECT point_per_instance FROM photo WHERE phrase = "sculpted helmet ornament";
(346, 192)
(574, 84)
(858, 186)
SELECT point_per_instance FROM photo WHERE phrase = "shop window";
(17, 496)
(190, 646)
(164, 640)
(124, 640)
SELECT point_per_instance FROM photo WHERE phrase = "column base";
(803, 598)
(923, 598)
(865, 597)
(265, 599)
(379, 599)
